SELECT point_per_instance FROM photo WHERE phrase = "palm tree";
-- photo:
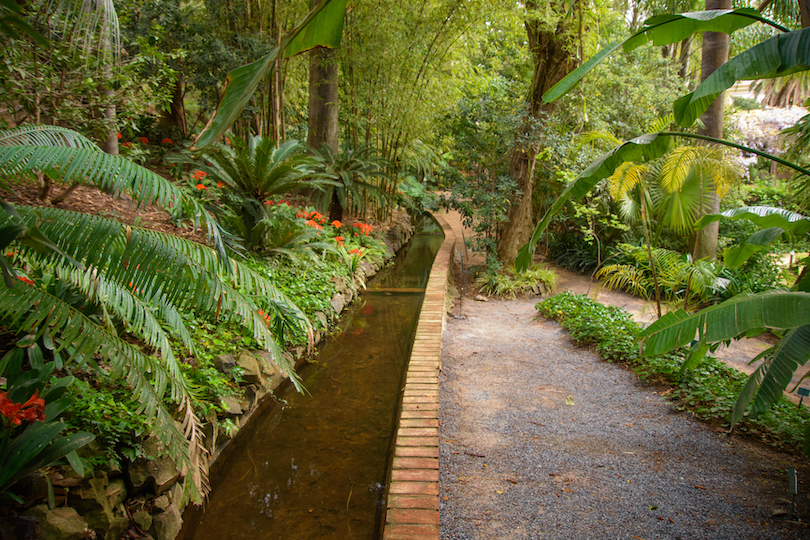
(140, 279)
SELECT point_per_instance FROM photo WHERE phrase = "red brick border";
(412, 511)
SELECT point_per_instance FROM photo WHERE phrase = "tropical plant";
(139, 279)
(29, 418)
(257, 168)
(741, 315)
(358, 174)
(680, 280)
(538, 279)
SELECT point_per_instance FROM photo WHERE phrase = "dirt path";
(540, 439)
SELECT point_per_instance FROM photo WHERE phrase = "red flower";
(269, 203)
(199, 175)
(143, 140)
(15, 413)
(339, 240)
(167, 141)
(312, 223)
(119, 136)
(227, 140)
(25, 280)
(127, 144)
(220, 185)
(201, 187)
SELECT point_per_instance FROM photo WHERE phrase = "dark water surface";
(315, 467)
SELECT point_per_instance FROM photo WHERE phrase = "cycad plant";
(140, 280)
(358, 175)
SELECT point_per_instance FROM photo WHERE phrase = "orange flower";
(313, 223)
(201, 187)
(25, 280)
(337, 224)
(227, 140)
(339, 240)
(220, 185)
(127, 144)
(119, 136)
(167, 141)
(269, 203)
(15, 413)
(143, 140)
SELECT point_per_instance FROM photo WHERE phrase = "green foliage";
(507, 283)
(109, 412)
(709, 392)
(358, 178)
(30, 408)
(681, 281)
(415, 196)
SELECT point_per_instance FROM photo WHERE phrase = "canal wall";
(412, 498)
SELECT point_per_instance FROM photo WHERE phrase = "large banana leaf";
(774, 221)
(663, 30)
(776, 57)
(323, 26)
(728, 320)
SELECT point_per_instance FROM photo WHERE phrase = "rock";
(18, 528)
(338, 303)
(324, 320)
(252, 373)
(59, 523)
(33, 486)
(156, 475)
(232, 405)
(143, 520)
(167, 525)
(481, 298)
(161, 502)
(224, 363)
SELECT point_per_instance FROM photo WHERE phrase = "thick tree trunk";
(323, 99)
(714, 55)
(554, 55)
(176, 115)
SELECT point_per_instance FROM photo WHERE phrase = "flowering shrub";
(143, 140)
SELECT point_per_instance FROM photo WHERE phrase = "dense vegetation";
(340, 114)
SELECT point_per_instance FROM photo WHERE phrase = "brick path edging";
(412, 508)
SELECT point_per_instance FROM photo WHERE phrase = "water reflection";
(315, 467)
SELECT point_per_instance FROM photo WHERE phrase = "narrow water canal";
(315, 466)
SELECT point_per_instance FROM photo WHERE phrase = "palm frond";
(626, 176)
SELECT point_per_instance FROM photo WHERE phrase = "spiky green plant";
(139, 278)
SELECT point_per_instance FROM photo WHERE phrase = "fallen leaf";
(511, 480)
(499, 492)
(569, 401)
(671, 520)
(446, 498)
(653, 508)
(699, 487)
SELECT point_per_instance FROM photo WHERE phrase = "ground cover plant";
(709, 391)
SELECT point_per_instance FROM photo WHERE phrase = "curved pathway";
(539, 439)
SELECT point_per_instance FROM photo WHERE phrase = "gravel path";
(540, 439)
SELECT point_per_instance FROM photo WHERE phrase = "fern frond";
(625, 277)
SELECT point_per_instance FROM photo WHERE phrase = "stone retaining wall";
(413, 489)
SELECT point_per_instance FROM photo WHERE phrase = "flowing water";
(315, 467)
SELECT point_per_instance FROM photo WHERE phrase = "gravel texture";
(540, 439)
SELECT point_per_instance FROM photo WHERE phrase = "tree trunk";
(714, 55)
(323, 99)
(554, 55)
(176, 115)
(111, 131)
